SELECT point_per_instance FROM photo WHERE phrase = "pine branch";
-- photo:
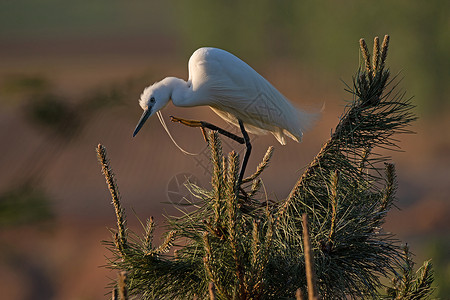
(376, 55)
(352, 204)
(167, 244)
(390, 188)
(121, 238)
(261, 166)
(370, 121)
(123, 293)
(309, 261)
(410, 285)
(384, 50)
(366, 55)
(149, 228)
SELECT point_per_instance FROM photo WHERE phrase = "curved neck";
(181, 92)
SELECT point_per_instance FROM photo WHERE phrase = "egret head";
(153, 99)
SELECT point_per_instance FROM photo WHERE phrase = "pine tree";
(233, 243)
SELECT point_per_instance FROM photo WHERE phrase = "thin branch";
(309, 261)
(115, 195)
(122, 282)
(299, 294)
(212, 291)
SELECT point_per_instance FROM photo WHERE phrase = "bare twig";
(123, 293)
(309, 261)
(212, 291)
(299, 294)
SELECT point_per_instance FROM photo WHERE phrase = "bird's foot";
(190, 123)
(203, 125)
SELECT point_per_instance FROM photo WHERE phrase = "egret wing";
(234, 91)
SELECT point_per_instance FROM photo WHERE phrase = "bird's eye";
(152, 100)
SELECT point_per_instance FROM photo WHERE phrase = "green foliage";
(30, 83)
(438, 250)
(24, 204)
(54, 114)
(343, 190)
(410, 285)
(46, 109)
(251, 248)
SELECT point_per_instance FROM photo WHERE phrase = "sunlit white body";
(233, 90)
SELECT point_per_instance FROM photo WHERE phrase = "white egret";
(234, 91)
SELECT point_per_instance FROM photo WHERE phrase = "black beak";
(141, 122)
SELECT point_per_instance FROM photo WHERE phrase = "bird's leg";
(247, 152)
(202, 124)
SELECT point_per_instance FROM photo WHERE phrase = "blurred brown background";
(70, 77)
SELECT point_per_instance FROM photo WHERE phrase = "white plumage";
(233, 90)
